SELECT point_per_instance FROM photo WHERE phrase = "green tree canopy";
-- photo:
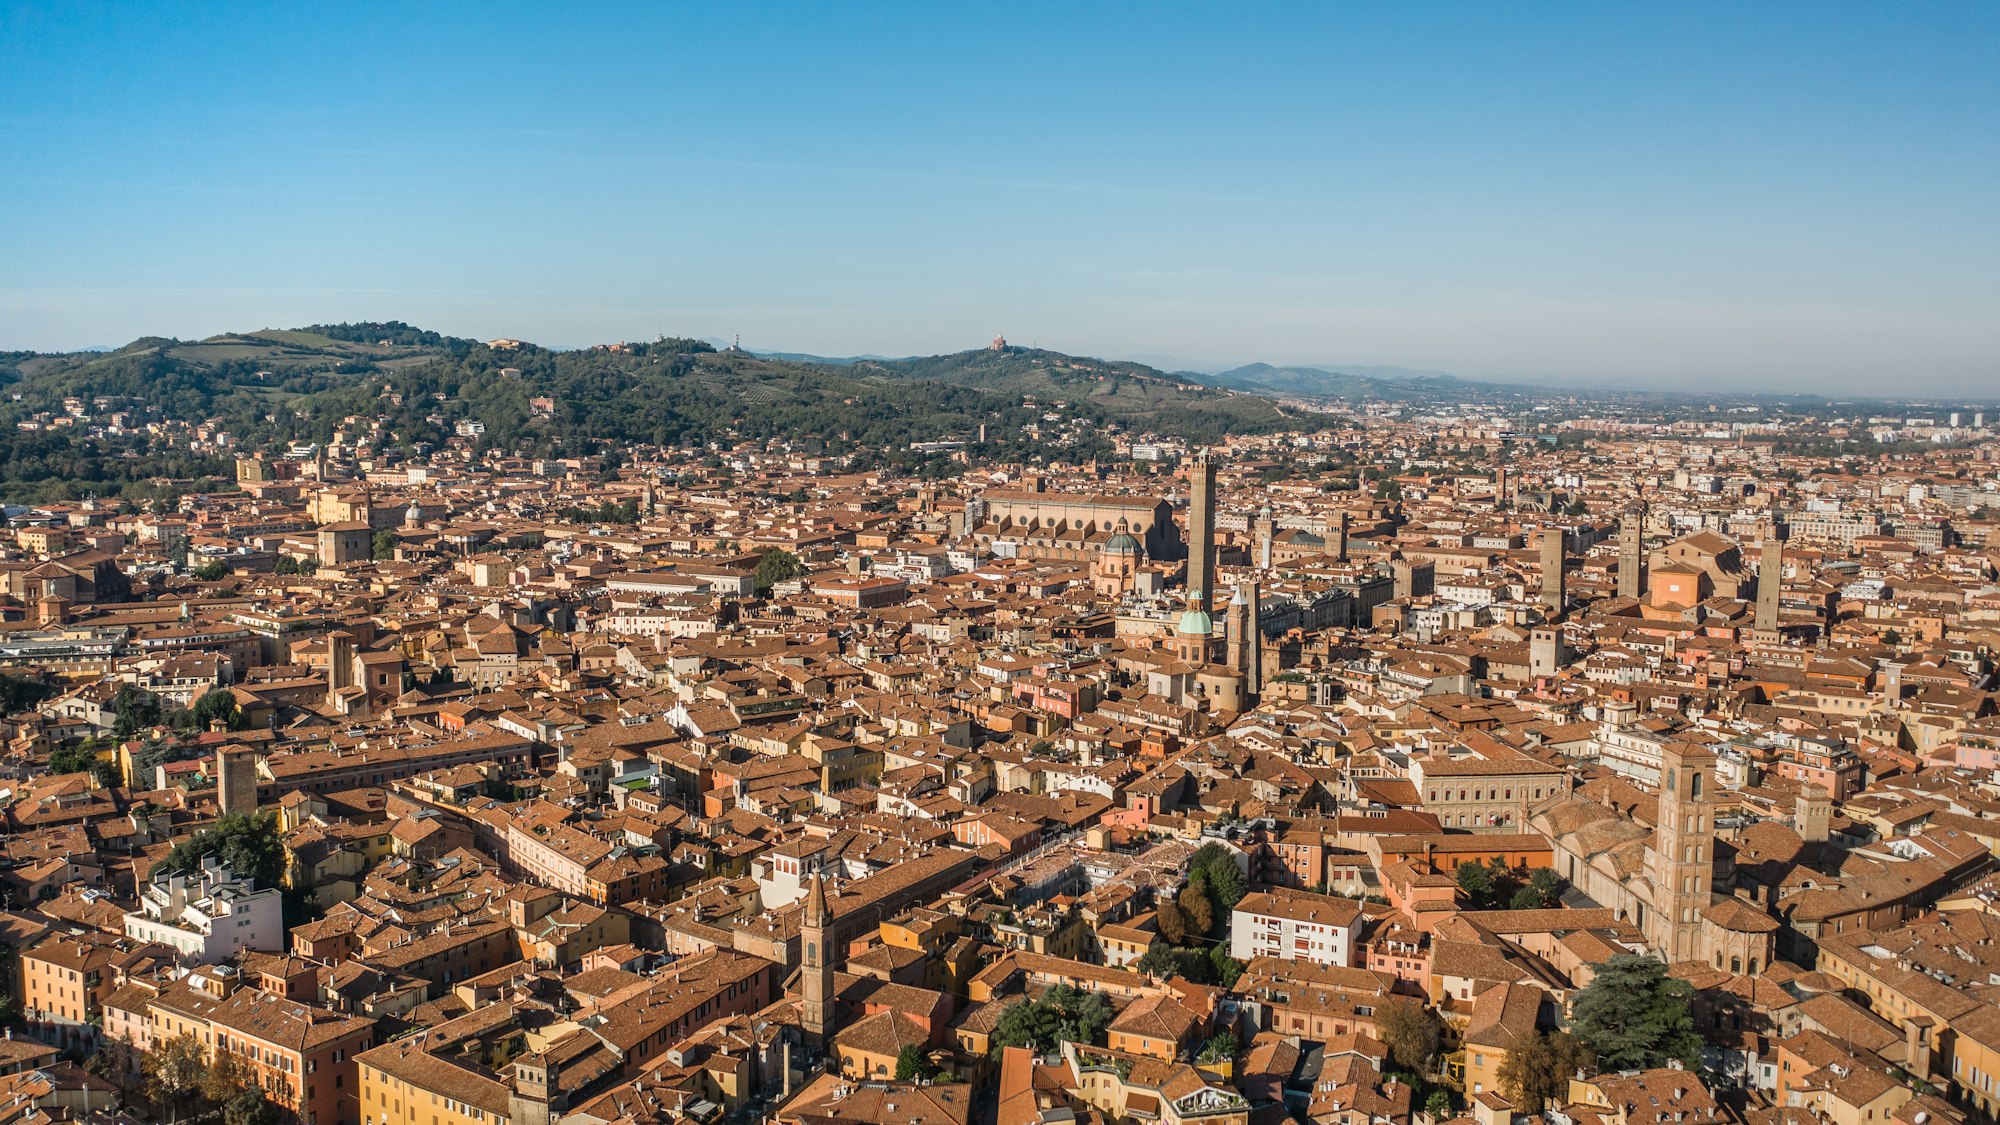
(250, 1107)
(912, 1063)
(1475, 880)
(1542, 890)
(79, 758)
(251, 846)
(134, 709)
(1634, 1016)
(215, 703)
(18, 693)
(1216, 866)
(1061, 1014)
(1226, 968)
(775, 566)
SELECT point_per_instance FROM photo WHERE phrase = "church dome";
(1195, 623)
(1122, 544)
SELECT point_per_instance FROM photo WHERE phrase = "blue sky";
(1768, 195)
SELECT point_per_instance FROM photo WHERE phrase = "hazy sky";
(1663, 194)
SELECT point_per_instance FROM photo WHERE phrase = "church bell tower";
(815, 967)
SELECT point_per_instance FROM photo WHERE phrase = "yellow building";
(1120, 944)
(301, 1056)
(1503, 1017)
(1156, 1026)
(43, 540)
(1975, 1060)
(869, 1047)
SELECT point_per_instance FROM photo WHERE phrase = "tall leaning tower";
(1201, 533)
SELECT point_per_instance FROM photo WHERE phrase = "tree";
(250, 1108)
(81, 758)
(10, 981)
(1438, 1105)
(1217, 867)
(215, 570)
(18, 693)
(1537, 1071)
(1411, 1032)
(1172, 922)
(1200, 912)
(1475, 880)
(1167, 961)
(134, 709)
(1218, 1048)
(383, 546)
(116, 1061)
(912, 1063)
(215, 703)
(1634, 1016)
(1058, 1015)
(174, 1069)
(1543, 889)
(1227, 968)
(1506, 880)
(775, 566)
(224, 1078)
(251, 846)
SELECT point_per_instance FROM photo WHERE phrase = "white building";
(209, 915)
(1297, 926)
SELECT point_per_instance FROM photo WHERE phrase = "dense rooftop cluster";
(1408, 766)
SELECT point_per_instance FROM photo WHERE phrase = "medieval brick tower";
(1682, 860)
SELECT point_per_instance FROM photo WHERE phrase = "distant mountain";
(722, 345)
(1391, 383)
(1385, 372)
(1168, 362)
(822, 360)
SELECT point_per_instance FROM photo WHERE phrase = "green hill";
(272, 386)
